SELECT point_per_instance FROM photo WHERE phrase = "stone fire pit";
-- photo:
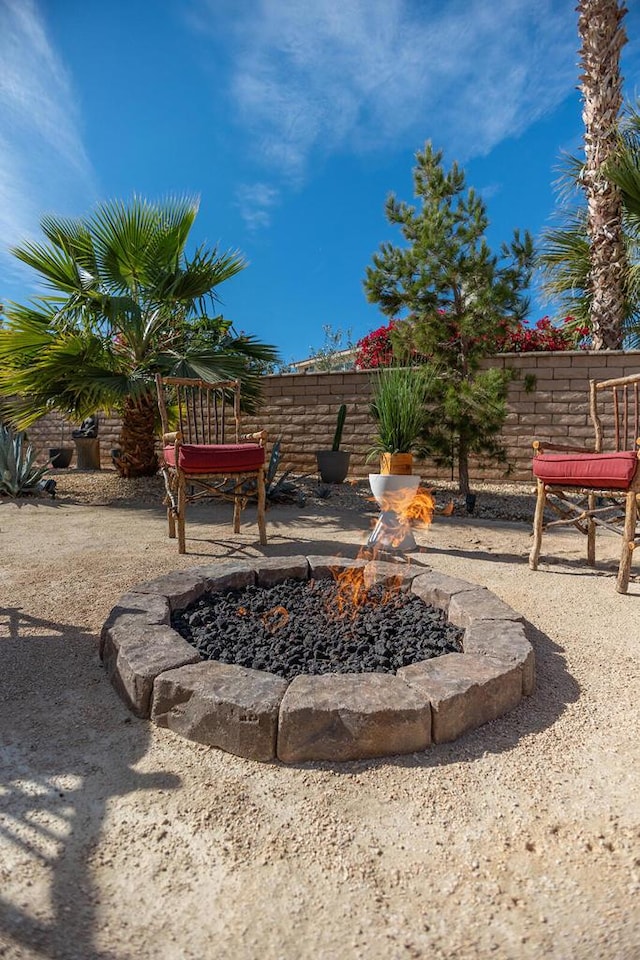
(260, 716)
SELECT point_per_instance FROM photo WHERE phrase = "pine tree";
(458, 300)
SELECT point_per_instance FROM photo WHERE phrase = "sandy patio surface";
(121, 841)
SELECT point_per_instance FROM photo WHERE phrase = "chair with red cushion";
(591, 488)
(206, 456)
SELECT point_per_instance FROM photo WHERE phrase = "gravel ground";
(120, 841)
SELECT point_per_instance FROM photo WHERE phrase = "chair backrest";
(615, 412)
(206, 412)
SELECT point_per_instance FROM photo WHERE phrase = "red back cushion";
(218, 458)
(598, 470)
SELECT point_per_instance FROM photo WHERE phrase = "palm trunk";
(602, 38)
(137, 438)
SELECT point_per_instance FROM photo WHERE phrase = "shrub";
(19, 473)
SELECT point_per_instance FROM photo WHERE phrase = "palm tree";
(564, 251)
(126, 302)
(602, 36)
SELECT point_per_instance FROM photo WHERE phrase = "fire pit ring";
(335, 717)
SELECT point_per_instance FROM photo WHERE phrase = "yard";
(119, 840)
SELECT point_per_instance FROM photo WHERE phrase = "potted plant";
(60, 457)
(399, 407)
(333, 464)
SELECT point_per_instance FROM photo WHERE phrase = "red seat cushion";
(218, 458)
(598, 470)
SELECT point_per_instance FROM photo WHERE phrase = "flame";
(275, 619)
(242, 612)
(353, 590)
(411, 507)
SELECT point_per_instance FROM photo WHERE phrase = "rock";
(270, 570)
(464, 691)
(134, 608)
(134, 653)
(438, 588)
(182, 587)
(323, 568)
(469, 606)
(505, 641)
(347, 717)
(221, 705)
(388, 573)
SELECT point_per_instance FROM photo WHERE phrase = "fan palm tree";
(126, 302)
(564, 252)
(602, 36)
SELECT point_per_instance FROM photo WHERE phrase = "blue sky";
(291, 120)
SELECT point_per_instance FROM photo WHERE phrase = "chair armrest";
(260, 436)
(175, 437)
(541, 446)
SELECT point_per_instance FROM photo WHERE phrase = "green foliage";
(328, 356)
(19, 473)
(126, 302)
(280, 489)
(459, 299)
(337, 437)
(400, 396)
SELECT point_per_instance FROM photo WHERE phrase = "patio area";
(119, 839)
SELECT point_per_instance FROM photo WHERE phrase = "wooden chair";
(599, 487)
(197, 460)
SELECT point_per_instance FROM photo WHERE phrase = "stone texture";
(386, 572)
(133, 608)
(479, 604)
(506, 642)
(134, 653)
(320, 568)
(222, 705)
(183, 587)
(270, 570)
(351, 716)
(464, 690)
(437, 589)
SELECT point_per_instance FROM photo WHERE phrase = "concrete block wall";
(302, 410)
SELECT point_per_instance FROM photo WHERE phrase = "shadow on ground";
(54, 786)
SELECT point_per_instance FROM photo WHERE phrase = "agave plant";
(20, 475)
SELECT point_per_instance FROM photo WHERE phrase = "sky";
(291, 121)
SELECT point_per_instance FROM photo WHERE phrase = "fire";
(400, 510)
(275, 619)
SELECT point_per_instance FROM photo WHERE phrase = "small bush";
(19, 473)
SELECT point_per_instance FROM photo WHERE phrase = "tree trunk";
(463, 466)
(137, 438)
(602, 38)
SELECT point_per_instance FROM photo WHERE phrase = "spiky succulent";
(20, 475)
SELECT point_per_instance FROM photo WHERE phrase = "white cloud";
(43, 163)
(256, 201)
(314, 79)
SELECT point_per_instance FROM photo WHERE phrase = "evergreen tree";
(458, 300)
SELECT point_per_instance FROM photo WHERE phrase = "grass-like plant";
(20, 475)
(399, 407)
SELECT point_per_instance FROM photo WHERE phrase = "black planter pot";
(333, 465)
(60, 457)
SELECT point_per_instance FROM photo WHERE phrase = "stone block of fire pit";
(506, 642)
(270, 570)
(465, 691)
(470, 606)
(221, 705)
(438, 588)
(183, 587)
(135, 653)
(388, 573)
(351, 716)
(136, 608)
(322, 568)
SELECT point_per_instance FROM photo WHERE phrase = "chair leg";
(262, 527)
(237, 510)
(534, 556)
(182, 505)
(628, 537)
(591, 532)
(171, 520)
